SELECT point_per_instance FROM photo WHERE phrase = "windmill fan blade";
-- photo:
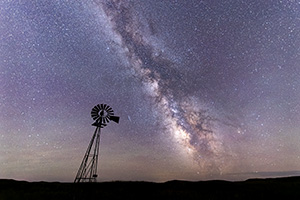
(96, 124)
(110, 112)
(94, 111)
(94, 114)
(101, 106)
(97, 107)
(94, 117)
(114, 118)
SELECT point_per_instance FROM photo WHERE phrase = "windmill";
(87, 172)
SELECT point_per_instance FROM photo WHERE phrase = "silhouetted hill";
(287, 188)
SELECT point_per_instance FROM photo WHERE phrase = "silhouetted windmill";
(87, 172)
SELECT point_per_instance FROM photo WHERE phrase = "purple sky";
(204, 89)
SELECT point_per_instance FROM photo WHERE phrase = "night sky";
(204, 89)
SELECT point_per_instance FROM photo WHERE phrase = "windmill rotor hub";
(102, 113)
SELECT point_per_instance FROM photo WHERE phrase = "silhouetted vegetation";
(279, 188)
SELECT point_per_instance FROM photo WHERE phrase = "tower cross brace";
(88, 169)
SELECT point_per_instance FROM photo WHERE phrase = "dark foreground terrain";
(279, 188)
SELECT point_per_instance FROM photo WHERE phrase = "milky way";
(182, 116)
(204, 89)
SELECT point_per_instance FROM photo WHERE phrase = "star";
(205, 90)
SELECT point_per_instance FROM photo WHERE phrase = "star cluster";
(204, 89)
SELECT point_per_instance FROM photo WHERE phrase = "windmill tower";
(87, 172)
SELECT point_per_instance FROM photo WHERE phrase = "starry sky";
(204, 89)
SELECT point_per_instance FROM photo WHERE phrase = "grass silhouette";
(249, 189)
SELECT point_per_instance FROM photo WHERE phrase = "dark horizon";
(247, 175)
(250, 189)
(263, 177)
